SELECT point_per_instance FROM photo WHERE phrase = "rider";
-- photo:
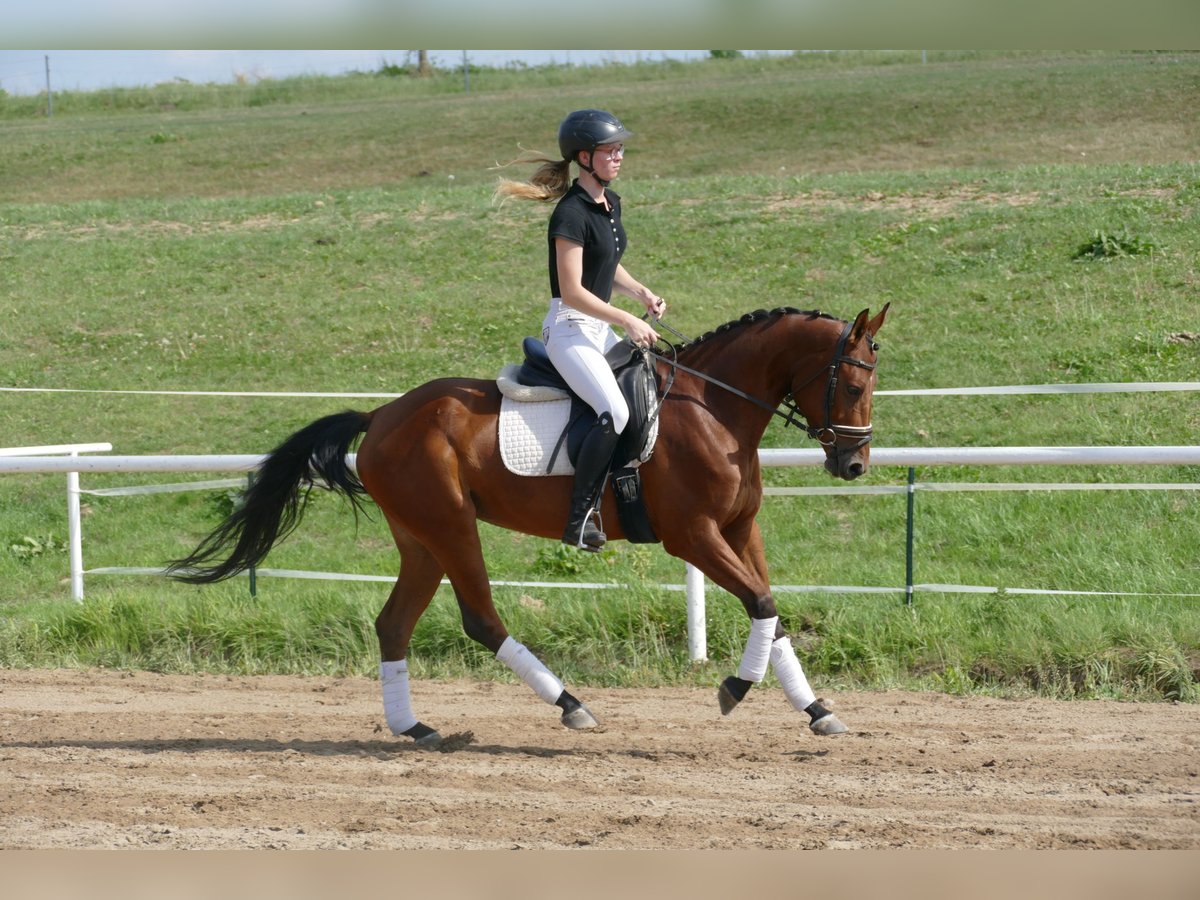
(586, 243)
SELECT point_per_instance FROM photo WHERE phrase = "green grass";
(1032, 218)
(1004, 645)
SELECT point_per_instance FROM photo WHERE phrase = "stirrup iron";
(591, 535)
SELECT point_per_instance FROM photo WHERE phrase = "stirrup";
(589, 538)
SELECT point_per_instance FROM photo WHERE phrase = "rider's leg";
(577, 352)
(578, 355)
(591, 472)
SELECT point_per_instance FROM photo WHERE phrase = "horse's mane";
(749, 318)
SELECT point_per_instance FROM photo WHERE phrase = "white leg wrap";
(790, 674)
(397, 703)
(758, 649)
(529, 668)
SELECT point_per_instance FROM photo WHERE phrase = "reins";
(793, 416)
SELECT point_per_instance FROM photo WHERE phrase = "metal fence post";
(75, 534)
(908, 539)
(697, 627)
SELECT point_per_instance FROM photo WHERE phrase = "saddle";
(536, 379)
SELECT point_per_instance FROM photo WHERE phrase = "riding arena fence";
(66, 459)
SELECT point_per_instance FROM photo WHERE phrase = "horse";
(430, 461)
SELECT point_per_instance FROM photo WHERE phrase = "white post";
(697, 626)
(75, 534)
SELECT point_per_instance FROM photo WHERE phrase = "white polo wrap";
(758, 649)
(397, 703)
(790, 674)
(529, 669)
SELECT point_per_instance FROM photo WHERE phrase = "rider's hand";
(641, 333)
(655, 306)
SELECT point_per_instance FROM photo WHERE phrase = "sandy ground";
(105, 759)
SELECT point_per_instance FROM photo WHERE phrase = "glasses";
(612, 153)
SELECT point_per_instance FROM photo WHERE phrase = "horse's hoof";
(423, 736)
(731, 692)
(429, 741)
(579, 719)
(828, 724)
(727, 700)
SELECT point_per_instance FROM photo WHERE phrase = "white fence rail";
(910, 457)
(1183, 455)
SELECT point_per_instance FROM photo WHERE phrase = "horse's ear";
(859, 327)
(862, 326)
(877, 322)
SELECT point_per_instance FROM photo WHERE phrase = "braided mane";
(749, 319)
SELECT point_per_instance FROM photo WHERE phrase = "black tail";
(274, 503)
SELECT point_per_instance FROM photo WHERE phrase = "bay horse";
(430, 461)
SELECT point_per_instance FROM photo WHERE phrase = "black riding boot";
(591, 470)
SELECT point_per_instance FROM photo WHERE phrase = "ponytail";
(551, 180)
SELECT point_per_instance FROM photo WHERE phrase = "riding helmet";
(587, 129)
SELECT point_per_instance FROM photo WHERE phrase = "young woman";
(586, 243)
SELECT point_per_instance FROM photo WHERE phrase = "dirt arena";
(105, 759)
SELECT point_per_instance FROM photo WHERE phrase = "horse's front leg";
(783, 659)
(735, 560)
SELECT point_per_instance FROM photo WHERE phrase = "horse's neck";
(762, 358)
(762, 363)
(758, 364)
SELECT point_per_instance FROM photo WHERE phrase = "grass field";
(1032, 218)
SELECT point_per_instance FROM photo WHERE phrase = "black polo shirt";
(581, 220)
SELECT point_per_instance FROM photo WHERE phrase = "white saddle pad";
(531, 423)
(528, 434)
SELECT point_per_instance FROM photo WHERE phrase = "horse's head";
(836, 401)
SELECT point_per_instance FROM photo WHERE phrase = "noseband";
(826, 434)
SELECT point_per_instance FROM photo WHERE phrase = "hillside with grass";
(1032, 219)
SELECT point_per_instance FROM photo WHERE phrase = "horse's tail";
(274, 502)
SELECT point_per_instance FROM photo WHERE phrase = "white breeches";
(577, 343)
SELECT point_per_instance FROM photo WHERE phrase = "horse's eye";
(854, 391)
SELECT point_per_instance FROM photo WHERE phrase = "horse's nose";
(853, 470)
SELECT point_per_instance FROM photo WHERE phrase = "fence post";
(908, 539)
(696, 625)
(75, 534)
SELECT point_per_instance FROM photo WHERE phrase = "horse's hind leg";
(420, 575)
(481, 622)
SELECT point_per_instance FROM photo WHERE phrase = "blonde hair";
(551, 180)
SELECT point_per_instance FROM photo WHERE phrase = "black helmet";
(587, 129)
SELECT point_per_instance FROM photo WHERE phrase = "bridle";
(862, 432)
(827, 433)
